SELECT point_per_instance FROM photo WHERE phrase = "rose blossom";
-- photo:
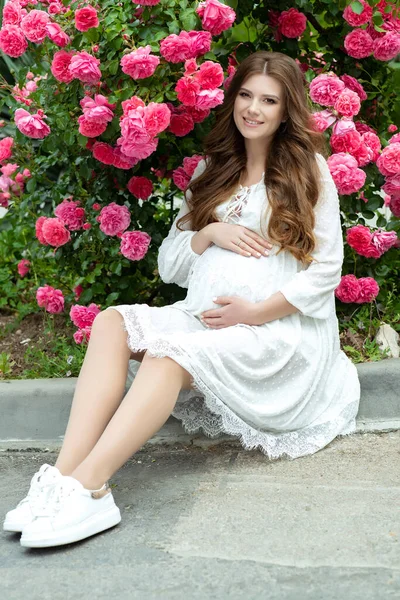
(157, 116)
(348, 103)
(97, 109)
(51, 299)
(140, 187)
(146, 2)
(190, 163)
(323, 119)
(348, 289)
(84, 67)
(60, 66)
(11, 14)
(360, 238)
(392, 186)
(103, 152)
(395, 205)
(394, 139)
(325, 88)
(71, 214)
(354, 19)
(5, 148)
(389, 161)
(57, 35)
(86, 18)
(89, 128)
(12, 41)
(114, 219)
(352, 84)
(215, 17)
(23, 267)
(358, 43)
(347, 176)
(39, 232)
(181, 124)
(187, 89)
(210, 75)
(185, 46)
(82, 335)
(292, 23)
(54, 232)
(383, 240)
(345, 138)
(180, 178)
(387, 47)
(369, 289)
(32, 126)
(140, 64)
(209, 98)
(134, 244)
(34, 24)
(392, 127)
(83, 316)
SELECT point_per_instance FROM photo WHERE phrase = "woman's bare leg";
(99, 390)
(143, 411)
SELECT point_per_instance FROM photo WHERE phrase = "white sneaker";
(23, 514)
(72, 513)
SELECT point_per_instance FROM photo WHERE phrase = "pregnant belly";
(221, 272)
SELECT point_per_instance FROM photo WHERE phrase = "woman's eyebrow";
(264, 95)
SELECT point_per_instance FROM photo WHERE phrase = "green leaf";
(86, 296)
(82, 140)
(357, 7)
(31, 185)
(188, 18)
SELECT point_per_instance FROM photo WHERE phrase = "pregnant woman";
(253, 350)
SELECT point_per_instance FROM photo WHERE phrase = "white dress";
(284, 387)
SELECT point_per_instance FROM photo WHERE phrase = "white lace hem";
(209, 414)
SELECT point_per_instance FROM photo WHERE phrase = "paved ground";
(226, 523)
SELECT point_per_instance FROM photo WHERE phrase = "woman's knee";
(106, 321)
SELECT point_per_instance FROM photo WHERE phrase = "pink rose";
(181, 124)
(23, 267)
(11, 14)
(373, 143)
(347, 176)
(392, 186)
(348, 103)
(348, 289)
(157, 116)
(190, 163)
(392, 127)
(134, 244)
(395, 139)
(5, 148)
(198, 115)
(57, 35)
(71, 214)
(12, 41)
(187, 89)
(383, 240)
(133, 127)
(355, 19)
(121, 161)
(51, 299)
(209, 98)
(363, 155)
(215, 17)
(140, 64)
(323, 119)
(84, 67)
(82, 335)
(369, 289)
(77, 291)
(103, 152)
(389, 161)
(140, 187)
(60, 66)
(34, 24)
(131, 104)
(83, 316)
(91, 129)
(345, 140)
(395, 206)
(175, 48)
(210, 75)
(114, 219)
(54, 232)
(325, 88)
(363, 127)
(147, 2)
(292, 23)
(387, 47)
(180, 178)
(200, 42)
(32, 126)
(360, 238)
(86, 18)
(97, 109)
(352, 84)
(358, 43)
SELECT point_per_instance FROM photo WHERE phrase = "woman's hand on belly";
(228, 236)
(234, 310)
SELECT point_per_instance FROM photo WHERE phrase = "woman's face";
(260, 99)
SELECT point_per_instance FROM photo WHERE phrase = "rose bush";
(104, 107)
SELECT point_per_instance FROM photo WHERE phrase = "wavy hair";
(291, 171)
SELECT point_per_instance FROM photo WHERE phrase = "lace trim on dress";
(214, 417)
(239, 200)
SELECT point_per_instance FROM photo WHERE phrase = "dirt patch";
(16, 336)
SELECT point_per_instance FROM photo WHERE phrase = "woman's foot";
(24, 513)
(72, 513)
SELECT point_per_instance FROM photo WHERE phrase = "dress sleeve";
(176, 258)
(311, 290)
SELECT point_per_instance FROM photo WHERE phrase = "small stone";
(387, 338)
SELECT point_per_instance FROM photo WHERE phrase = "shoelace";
(35, 490)
(235, 207)
(55, 499)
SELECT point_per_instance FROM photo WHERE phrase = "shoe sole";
(95, 524)
(13, 528)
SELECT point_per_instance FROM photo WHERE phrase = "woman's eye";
(268, 99)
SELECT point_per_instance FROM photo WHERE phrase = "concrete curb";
(34, 412)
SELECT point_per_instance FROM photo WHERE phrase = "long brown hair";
(291, 170)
